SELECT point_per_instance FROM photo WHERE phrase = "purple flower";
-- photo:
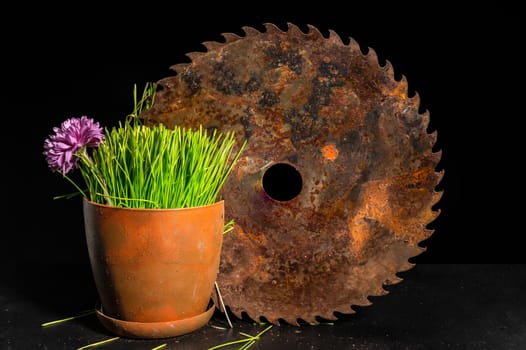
(73, 135)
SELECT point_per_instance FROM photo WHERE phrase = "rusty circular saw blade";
(358, 148)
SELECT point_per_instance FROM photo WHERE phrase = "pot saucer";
(154, 330)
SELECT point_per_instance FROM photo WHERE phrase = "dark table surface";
(436, 306)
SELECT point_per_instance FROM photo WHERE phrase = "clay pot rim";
(220, 202)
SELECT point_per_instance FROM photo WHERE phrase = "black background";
(464, 63)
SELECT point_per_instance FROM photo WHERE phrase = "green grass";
(140, 166)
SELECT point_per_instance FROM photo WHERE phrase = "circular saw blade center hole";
(282, 182)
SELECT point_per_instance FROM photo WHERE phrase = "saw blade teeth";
(415, 99)
(271, 28)
(260, 318)
(403, 84)
(272, 320)
(345, 309)
(292, 321)
(372, 56)
(353, 45)
(311, 319)
(402, 87)
(294, 29)
(436, 197)
(167, 83)
(425, 119)
(335, 38)
(431, 136)
(362, 302)
(388, 68)
(403, 80)
(435, 214)
(239, 314)
(429, 232)
(314, 31)
(420, 250)
(230, 37)
(439, 174)
(194, 55)
(211, 45)
(328, 316)
(436, 156)
(250, 31)
(406, 266)
(179, 68)
(392, 280)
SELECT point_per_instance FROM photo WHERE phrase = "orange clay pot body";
(154, 266)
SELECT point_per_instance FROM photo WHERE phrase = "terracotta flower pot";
(154, 269)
